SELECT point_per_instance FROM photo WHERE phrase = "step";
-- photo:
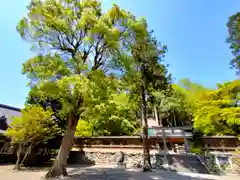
(186, 163)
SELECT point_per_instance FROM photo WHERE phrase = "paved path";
(108, 173)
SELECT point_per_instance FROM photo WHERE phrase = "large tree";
(71, 39)
(144, 72)
(233, 39)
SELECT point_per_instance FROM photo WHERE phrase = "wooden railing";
(135, 142)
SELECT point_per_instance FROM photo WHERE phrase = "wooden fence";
(226, 143)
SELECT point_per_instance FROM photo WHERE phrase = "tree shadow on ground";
(100, 173)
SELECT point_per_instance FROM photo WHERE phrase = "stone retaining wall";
(131, 160)
(236, 164)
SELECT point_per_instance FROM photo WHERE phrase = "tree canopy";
(116, 117)
(217, 111)
(35, 126)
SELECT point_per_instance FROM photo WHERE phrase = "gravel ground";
(107, 173)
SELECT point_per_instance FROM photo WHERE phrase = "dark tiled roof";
(9, 107)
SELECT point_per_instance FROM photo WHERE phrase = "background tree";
(71, 38)
(173, 109)
(116, 117)
(47, 103)
(181, 102)
(233, 39)
(218, 111)
(35, 126)
(191, 91)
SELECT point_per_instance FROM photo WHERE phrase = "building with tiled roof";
(6, 115)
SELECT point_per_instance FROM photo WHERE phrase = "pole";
(165, 148)
(185, 141)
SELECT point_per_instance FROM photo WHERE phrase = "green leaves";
(218, 112)
(84, 128)
(78, 30)
(113, 115)
(174, 108)
(46, 67)
(34, 126)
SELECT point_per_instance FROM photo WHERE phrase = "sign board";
(151, 132)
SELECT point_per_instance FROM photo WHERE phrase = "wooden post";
(165, 147)
(206, 149)
(164, 141)
(185, 142)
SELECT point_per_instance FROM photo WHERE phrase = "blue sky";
(194, 31)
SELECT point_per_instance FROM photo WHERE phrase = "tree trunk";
(17, 165)
(25, 157)
(26, 154)
(174, 119)
(146, 155)
(160, 115)
(160, 121)
(59, 165)
(156, 114)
